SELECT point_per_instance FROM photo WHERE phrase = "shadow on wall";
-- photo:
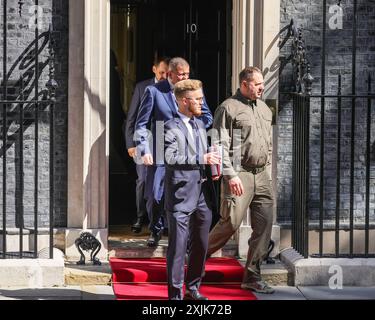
(23, 89)
(96, 179)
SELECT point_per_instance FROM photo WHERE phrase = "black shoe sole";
(152, 244)
(136, 229)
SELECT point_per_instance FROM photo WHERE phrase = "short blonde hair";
(186, 85)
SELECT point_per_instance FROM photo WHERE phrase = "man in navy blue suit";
(160, 69)
(187, 198)
(159, 105)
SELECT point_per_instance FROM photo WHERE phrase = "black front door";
(209, 34)
(197, 30)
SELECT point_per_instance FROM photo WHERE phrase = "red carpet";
(146, 279)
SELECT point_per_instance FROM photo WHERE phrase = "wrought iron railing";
(311, 212)
(22, 104)
(333, 159)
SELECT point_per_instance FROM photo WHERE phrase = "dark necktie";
(196, 138)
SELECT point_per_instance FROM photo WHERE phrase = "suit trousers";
(154, 194)
(183, 226)
(140, 191)
(258, 196)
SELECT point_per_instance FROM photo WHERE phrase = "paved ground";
(104, 292)
(319, 293)
(101, 292)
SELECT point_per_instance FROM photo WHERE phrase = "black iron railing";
(352, 155)
(22, 104)
(300, 179)
(333, 157)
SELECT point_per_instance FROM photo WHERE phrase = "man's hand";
(216, 178)
(147, 159)
(236, 186)
(212, 158)
(132, 152)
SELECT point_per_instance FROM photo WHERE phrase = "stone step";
(329, 271)
(87, 274)
(32, 273)
(276, 274)
(137, 248)
(123, 243)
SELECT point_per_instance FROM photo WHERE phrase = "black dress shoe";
(137, 226)
(154, 239)
(194, 295)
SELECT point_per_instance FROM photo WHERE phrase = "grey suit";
(187, 206)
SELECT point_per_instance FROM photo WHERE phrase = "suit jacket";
(158, 105)
(185, 179)
(133, 111)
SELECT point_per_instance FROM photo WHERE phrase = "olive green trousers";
(258, 196)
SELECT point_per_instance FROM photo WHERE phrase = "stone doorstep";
(88, 274)
(137, 248)
(120, 247)
(323, 271)
(275, 274)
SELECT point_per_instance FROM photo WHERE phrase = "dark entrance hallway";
(199, 31)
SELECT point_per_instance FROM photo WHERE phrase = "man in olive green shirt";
(243, 123)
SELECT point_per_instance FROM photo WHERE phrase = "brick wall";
(20, 64)
(309, 16)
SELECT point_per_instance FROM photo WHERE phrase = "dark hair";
(159, 60)
(248, 73)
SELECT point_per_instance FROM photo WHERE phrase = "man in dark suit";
(187, 200)
(160, 69)
(159, 105)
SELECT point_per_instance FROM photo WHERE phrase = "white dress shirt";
(186, 120)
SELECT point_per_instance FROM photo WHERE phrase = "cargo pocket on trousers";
(227, 205)
(231, 200)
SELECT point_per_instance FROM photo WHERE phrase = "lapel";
(167, 94)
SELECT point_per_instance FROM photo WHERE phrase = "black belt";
(185, 167)
(254, 170)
